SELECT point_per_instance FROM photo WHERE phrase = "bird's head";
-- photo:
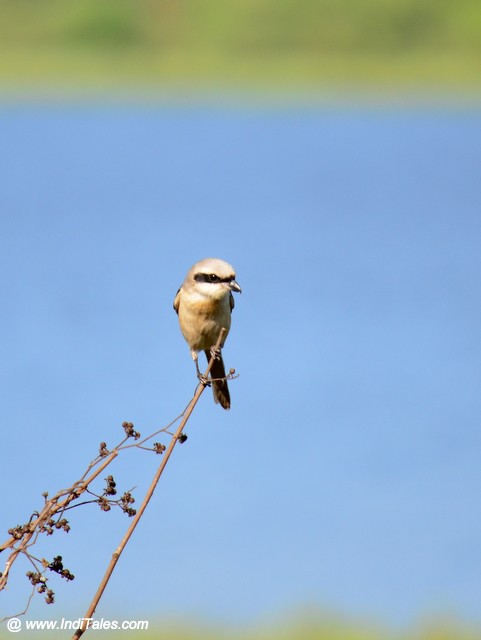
(216, 277)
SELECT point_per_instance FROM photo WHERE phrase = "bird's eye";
(213, 277)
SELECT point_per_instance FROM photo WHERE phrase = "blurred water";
(355, 233)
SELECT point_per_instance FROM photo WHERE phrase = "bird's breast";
(201, 320)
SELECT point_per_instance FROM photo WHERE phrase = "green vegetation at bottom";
(299, 629)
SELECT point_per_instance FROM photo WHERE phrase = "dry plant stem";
(52, 507)
(116, 554)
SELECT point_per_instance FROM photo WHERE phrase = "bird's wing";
(177, 301)
(231, 301)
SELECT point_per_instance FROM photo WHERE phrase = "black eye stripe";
(211, 278)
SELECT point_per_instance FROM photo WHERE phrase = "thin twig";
(117, 553)
(50, 508)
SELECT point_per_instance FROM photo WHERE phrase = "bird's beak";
(233, 286)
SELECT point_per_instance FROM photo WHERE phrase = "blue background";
(346, 475)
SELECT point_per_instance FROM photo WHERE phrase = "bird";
(204, 304)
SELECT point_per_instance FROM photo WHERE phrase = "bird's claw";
(215, 353)
(203, 379)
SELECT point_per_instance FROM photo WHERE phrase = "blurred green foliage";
(311, 628)
(380, 26)
(308, 42)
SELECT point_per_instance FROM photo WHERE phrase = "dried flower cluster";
(52, 518)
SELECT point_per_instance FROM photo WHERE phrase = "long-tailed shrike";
(204, 305)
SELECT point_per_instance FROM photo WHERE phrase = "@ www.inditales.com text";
(15, 625)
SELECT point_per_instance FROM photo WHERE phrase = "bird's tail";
(219, 387)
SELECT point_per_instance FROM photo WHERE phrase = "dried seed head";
(130, 432)
(56, 564)
(103, 451)
(110, 489)
(18, 531)
(103, 503)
